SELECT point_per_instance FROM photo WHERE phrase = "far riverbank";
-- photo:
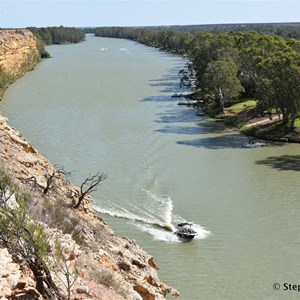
(244, 116)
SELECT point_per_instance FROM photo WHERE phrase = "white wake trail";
(155, 216)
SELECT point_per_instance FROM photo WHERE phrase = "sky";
(79, 13)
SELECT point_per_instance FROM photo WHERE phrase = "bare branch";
(50, 177)
(62, 265)
(89, 185)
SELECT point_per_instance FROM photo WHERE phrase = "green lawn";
(238, 115)
(297, 125)
(242, 106)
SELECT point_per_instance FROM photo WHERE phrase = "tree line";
(58, 35)
(285, 30)
(230, 66)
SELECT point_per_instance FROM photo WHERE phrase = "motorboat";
(253, 143)
(185, 230)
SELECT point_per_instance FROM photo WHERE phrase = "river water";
(106, 105)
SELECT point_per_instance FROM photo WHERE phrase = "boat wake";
(154, 217)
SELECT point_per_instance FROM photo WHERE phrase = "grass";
(238, 114)
(297, 125)
(261, 131)
(241, 107)
(59, 215)
(272, 131)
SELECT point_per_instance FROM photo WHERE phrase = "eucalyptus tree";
(279, 84)
(211, 47)
(294, 44)
(220, 79)
(271, 65)
(254, 48)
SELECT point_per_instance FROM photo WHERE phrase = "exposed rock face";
(15, 282)
(18, 51)
(103, 259)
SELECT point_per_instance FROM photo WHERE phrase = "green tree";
(23, 237)
(5, 80)
(220, 79)
(279, 85)
(255, 48)
(212, 47)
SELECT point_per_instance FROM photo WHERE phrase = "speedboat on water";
(185, 230)
(253, 143)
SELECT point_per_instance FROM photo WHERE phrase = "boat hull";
(185, 235)
(255, 145)
(185, 231)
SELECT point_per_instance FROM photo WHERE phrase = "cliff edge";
(18, 51)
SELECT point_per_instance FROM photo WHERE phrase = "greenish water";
(106, 105)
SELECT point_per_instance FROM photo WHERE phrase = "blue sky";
(42, 13)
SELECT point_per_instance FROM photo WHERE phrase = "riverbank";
(266, 126)
(244, 116)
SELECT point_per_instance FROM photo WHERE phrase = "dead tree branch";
(88, 186)
(50, 178)
(55, 175)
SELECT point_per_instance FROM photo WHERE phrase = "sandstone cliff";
(18, 51)
(108, 267)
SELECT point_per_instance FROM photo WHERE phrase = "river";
(105, 104)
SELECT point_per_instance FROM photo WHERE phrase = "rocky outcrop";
(18, 51)
(107, 265)
(16, 282)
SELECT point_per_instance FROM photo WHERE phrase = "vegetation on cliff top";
(24, 237)
(5, 80)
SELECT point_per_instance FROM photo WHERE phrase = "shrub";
(5, 80)
(25, 238)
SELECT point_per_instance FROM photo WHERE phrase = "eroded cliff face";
(108, 267)
(18, 51)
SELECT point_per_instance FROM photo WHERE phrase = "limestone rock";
(82, 289)
(18, 47)
(14, 283)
